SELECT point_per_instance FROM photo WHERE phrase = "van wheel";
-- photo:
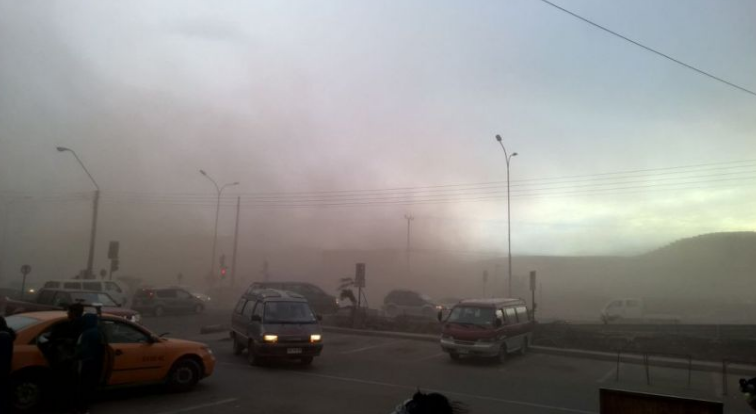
(524, 346)
(454, 356)
(28, 392)
(252, 358)
(502, 354)
(184, 375)
(199, 308)
(238, 346)
(306, 361)
(158, 311)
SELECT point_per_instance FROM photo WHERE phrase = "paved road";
(358, 374)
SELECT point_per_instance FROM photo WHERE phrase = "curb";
(627, 358)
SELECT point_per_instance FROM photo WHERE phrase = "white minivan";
(114, 289)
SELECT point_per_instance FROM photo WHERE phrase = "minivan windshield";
(288, 312)
(472, 315)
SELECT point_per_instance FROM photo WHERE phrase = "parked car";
(275, 324)
(112, 288)
(407, 302)
(135, 356)
(319, 300)
(487, 328)
(167, 300)
(57, 299)
(203, 297)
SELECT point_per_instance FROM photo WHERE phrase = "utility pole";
(409, 219)
(236, 243)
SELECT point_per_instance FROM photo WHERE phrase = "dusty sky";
(293, 97)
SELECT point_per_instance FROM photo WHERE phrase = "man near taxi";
(90, 354)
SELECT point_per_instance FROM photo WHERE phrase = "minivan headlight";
(315, 338)
(270, 338)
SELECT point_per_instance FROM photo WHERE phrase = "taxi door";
(136, 357)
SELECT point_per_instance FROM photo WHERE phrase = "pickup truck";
(54, 299)
(634, 310)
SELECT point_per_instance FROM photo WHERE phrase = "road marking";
(612, 373)
(200, 406)
(460, 394)
(353, 351)
(430, 357)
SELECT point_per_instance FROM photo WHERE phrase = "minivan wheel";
(159, 311)
(252, 358)
(184, 375)
(199, 308)
(238, 346)
(502, 354)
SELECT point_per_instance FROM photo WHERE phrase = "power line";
(679, 62)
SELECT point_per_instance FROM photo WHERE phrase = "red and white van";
(487, 328)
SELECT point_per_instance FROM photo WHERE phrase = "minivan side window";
(95, 286)
(248, 308)
(511, 315)
(240, 306)
(72, 285)
(522, 314)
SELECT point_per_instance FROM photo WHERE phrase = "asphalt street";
(359, 374)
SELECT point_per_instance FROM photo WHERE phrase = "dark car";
(275, 324)
(59, 298)
(410, 303)
(167, 300)
(320, 301)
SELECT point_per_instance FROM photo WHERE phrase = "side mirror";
(440, 315)
(497, 323)
(255, 318)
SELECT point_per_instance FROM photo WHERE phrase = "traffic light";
(224, 269)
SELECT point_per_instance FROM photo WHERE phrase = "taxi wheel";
(238, 346)
(159, 311)
(184, 375)
(28, 392)
(502, 354)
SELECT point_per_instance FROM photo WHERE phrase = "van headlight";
(270, 338)
(315, 338)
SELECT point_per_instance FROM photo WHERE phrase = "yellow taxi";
(134, 356)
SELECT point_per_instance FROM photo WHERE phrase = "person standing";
(7, 337)
(90, 354)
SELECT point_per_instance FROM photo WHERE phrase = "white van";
(114, 289)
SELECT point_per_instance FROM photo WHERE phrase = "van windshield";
(472, 315)
(288, 312)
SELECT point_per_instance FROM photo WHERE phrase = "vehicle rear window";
(72, 285)
(112, 287)
(94, 286)
(18, 322)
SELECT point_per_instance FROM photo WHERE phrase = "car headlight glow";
(315, 338)
(270, 338)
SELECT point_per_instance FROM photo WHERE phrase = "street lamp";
(508, 158)
(95, 206)
(217, 210)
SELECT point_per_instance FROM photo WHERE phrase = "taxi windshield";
(471, 314)
(288, 312)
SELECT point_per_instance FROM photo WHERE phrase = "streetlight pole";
(508, 158)
(217, 211)
(95, 207)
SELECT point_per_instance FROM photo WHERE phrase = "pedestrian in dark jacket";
(90, 354)
(7, 337)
